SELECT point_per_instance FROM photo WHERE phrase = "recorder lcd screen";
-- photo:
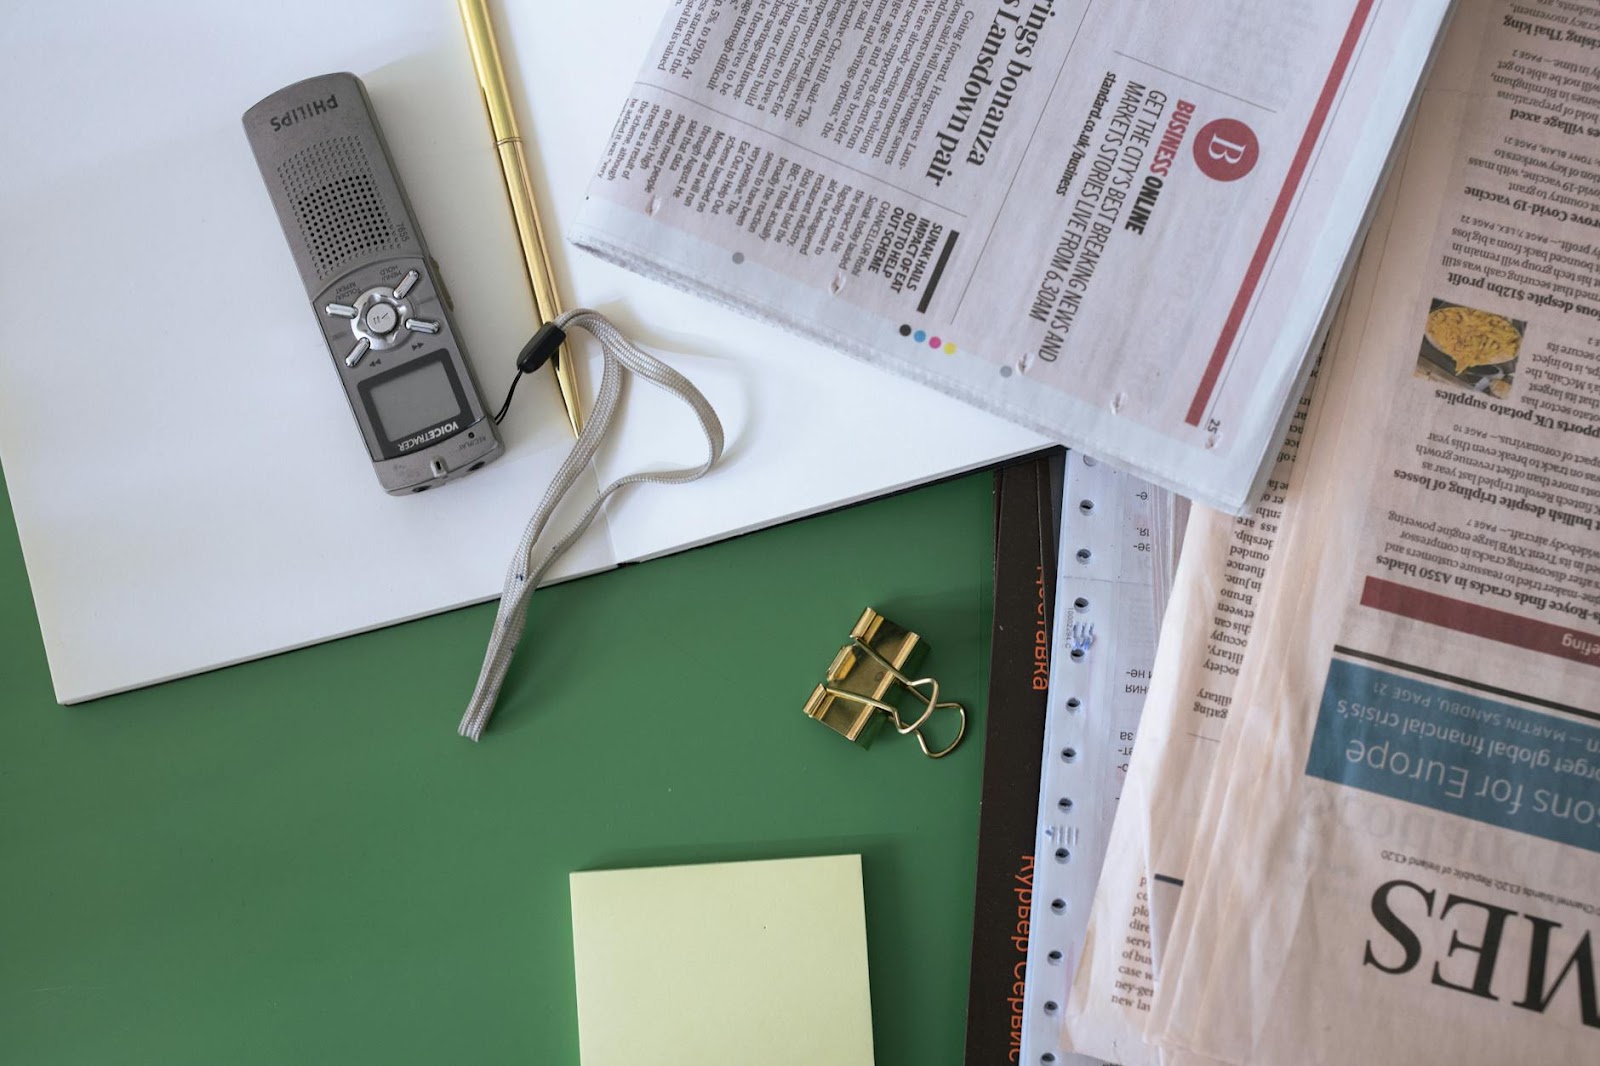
(414, 401)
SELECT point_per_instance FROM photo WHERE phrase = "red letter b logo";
(1226, 149)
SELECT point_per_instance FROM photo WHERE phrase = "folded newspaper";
(1396, 855)
(1120, 224)
(1206, 627)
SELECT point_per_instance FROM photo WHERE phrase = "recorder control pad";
(382, 318)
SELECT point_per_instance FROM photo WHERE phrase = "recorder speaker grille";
(341, 212)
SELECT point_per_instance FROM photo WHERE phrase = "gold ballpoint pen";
(514, 165)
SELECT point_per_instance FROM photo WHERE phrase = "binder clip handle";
(929, 701)
(852, 699)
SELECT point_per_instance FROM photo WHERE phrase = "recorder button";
(358, 353)
(381, 318)
(406, 282)
(437, 468)
(341, 310)
(421, 325)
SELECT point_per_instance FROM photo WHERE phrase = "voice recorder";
(374, 288)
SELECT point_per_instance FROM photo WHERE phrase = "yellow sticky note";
(725, 964)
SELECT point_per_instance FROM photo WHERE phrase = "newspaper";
(1123, 225)
(1403, 865)
(1222, 576)
(1220, 573)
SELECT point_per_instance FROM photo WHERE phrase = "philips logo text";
(304, 111)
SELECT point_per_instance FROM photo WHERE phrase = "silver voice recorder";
(376, 292)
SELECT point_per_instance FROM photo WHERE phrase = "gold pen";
(513, 164)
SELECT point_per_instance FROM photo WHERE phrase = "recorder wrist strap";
(525, 573)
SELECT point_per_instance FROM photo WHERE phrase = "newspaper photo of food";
(1473, 348)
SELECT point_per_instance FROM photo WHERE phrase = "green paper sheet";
(725, 963)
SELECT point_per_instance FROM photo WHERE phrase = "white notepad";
(188, 484)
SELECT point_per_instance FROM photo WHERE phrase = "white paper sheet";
(187, 483)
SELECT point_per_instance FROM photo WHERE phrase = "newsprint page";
(1405, 862)
(1120, 224)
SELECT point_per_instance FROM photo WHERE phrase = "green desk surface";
(298, 861)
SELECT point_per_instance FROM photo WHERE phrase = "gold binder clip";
(851, 701)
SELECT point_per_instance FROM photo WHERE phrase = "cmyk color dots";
(920, 336)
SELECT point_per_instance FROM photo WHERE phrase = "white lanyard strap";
(524, 574)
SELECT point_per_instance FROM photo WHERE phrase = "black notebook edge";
(1027, 518)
